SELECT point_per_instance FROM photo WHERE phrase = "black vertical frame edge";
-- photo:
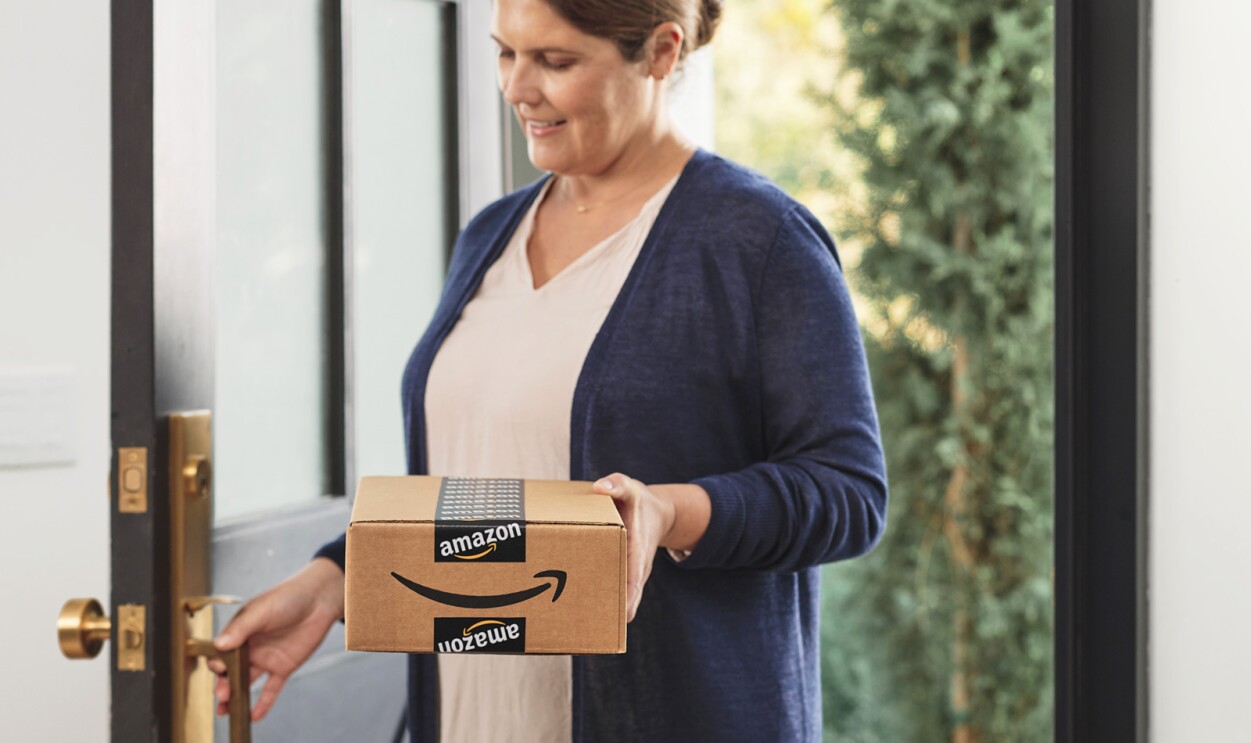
(1144, 364)
(1099, 374)
(137, 575)
(338, 411)
(1069, 443)
(451, 24)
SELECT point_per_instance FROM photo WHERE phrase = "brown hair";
(629, 23)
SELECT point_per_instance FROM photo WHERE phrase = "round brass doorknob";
(82, 628)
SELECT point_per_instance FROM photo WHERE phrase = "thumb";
(245, 624)
(615, 485)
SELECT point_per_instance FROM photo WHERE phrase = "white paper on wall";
(38, 425)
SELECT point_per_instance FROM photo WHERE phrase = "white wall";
(54, 309)
(1200, 509)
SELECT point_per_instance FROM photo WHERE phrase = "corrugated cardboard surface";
(568, 530)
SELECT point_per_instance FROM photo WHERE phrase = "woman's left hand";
(657, 516)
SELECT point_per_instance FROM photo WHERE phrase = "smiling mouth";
(536, 126)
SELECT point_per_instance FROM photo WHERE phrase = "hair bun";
(709, 17)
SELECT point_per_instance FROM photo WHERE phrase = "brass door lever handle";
(237, 667)
(196, 603)
(237, 671)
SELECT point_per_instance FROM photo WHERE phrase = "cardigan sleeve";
(335, 550)
(820, 496)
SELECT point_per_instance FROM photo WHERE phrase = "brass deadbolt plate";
(132, 480)
(131, 637)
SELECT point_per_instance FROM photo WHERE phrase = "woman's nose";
(517, 83)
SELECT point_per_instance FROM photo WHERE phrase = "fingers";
(627, 493)
(269, 695)
(221, 687)
(237, 632)
(637, 572)
(222, 691)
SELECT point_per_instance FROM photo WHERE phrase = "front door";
(287, 180)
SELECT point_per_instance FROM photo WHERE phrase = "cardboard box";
(455, 565)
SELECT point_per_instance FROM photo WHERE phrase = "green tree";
(944, 633)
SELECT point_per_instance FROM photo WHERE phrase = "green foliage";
(951, 122)
(768, 55)
(919, 131)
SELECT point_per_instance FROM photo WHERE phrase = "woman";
(650, 313)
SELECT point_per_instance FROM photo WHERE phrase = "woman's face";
(579, 102)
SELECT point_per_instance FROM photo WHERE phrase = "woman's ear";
(665, 50)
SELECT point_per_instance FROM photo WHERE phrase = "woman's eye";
(557, 64)
(506, 54)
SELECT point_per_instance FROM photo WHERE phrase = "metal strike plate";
(132, 480)
(131, 637)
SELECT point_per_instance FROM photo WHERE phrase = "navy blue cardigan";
(731, 359)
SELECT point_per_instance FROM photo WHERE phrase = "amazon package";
(467, 565)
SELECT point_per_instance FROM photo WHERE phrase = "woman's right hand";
(282, 628)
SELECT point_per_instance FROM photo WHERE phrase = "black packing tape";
(480, 520)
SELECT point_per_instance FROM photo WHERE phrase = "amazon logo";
(477, 544)
(494, 601)
(479, 635)
(479, 541)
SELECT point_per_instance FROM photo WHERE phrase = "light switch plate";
(38, 421)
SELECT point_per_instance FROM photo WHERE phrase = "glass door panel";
(273, 393)
(401, 146)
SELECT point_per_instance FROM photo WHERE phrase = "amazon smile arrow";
(467, 601)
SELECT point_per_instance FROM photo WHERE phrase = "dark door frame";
(136, 575)
(1101, 433)
(149, 304)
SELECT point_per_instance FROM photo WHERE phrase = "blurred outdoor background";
(920, 133)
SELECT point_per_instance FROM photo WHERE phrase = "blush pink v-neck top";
(498, 403)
